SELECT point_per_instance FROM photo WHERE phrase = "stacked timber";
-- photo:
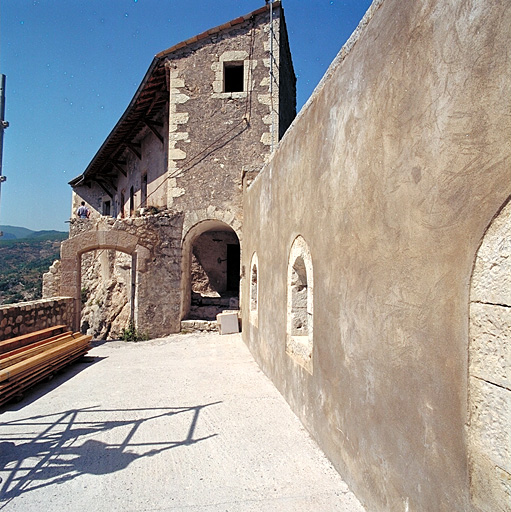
(30, 358)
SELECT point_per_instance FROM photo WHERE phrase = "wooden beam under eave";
(150, 125)
(105, 189)
(117, 165)
(132, 148)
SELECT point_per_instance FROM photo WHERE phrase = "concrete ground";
(185, 423)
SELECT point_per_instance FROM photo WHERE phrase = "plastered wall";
(392, 174)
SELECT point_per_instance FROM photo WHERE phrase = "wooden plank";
(46, 356)
(32, 350)
(19, 387)
(36, 344)
(41, 370)
(27, 339)
(44, 366)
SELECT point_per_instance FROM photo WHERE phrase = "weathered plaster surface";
(392, 174)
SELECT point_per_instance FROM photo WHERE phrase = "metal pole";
(271, 77)
(3, 125)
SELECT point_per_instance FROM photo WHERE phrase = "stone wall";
(26, 317)
(154, 244)
(392, 174)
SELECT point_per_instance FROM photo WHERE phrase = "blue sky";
(72, 67)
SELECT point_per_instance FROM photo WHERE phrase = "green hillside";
(23, 262)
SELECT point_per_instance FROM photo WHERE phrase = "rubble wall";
(153, 243)
(391, 173)
(217, 136)
(26, 317)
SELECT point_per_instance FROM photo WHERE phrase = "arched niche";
(254, 284)
(300, 304)
(489, 431)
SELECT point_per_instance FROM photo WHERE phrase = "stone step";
(199, 325)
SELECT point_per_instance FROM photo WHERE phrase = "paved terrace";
(185, 423)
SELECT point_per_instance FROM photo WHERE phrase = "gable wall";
(391, 174)
(214, 137)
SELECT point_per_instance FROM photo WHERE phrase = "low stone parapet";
(25, 317)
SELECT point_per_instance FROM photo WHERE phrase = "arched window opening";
(299, 340)
(299, 289)
(489, 439)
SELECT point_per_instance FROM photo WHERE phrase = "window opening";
(123, 202)
(106, 208)
(300, 303)
(299, 290)
(233, 77)
(253, 287)
(132, 201)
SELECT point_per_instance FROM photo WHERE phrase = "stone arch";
(71, 252)
(489, 436)
(190, 235)
(211, 214)
(300, 304)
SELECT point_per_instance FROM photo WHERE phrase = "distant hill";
(18, 233)
(24, 260)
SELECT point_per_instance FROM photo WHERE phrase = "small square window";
(233, 77)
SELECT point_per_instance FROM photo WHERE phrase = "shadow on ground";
(51, 449)
(50, 383)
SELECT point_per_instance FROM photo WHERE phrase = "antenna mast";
(271, 78)
(3, 125)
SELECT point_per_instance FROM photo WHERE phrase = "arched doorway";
(107, 293)
(71, 263)
(211, 270)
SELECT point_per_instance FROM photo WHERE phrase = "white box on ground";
(228, 323)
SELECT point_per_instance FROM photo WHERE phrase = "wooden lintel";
(151, 126)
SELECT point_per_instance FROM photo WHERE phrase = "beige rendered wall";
(391, 174)
(153, 163)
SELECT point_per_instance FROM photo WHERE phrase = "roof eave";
(80, 178)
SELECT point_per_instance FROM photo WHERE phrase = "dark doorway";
(214, 273)
(233, 267)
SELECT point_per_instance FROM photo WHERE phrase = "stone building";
(166, 186)
(375, 256)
